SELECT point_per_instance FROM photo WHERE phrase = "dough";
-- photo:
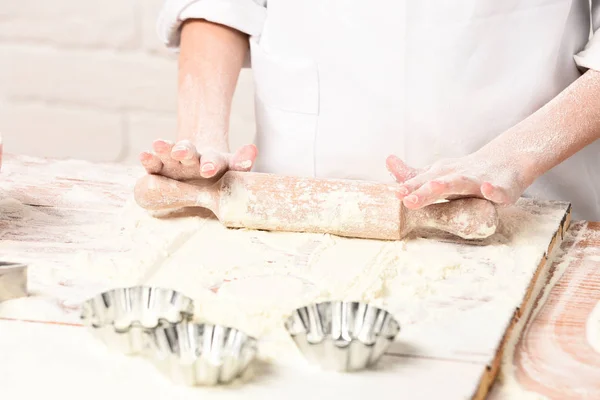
(450, 299)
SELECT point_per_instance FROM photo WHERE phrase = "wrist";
(204, 142)
(523, 167)
(526, 167)
(204, 130)
(214, 138)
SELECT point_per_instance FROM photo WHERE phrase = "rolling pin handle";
(155, 192)
(468, 218)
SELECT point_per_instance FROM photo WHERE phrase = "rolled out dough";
(451, 300)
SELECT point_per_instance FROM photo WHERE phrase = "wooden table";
(552, 358)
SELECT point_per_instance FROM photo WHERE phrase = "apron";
(341, 84)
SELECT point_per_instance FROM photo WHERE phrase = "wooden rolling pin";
(341, 207)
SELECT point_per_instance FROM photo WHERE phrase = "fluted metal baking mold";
(13, 280)
(123, 318)
(202, 354)
(342, 336)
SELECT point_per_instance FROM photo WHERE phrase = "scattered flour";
(14, 210)
(254, 279)
(451, 300)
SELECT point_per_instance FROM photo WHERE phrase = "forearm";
(211, 57)
(561, 128)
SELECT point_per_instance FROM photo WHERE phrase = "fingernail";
(179, 148)
(403, 190)
(208, 167)
(412, 199)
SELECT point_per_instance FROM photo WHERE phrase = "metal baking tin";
(13, 280)
(202, 354)
(122, 318)
(342, 336)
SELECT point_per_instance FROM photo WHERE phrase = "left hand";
(494, 177)
(502, 169)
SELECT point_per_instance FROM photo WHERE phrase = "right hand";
(183, 161)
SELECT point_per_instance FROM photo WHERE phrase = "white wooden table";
(48, 351)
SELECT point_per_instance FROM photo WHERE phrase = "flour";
(14, 210)
(235, 203)
(244, 164)
(299, 205)
(344, 209)
(79, 194)
(253, 280)
(465, 219)
(593, 328)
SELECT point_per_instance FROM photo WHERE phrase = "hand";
(493, 177)
(503, 168)
(184, 161)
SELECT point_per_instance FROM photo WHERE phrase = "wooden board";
(50, 243)
(554, 357)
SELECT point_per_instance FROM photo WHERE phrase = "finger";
(413, 184)
(163, 148)
(399, 170)
(497, 194)
(426, 194)
(442, 189)
(185, 152)
(244, 158)
(212, 164)
(151, 163)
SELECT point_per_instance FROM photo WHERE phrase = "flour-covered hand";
(476, 175)
(207, 78)
(502, 169)
(184, 161)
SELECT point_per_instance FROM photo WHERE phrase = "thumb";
(243, 159)
(212, 163)
(500, 194)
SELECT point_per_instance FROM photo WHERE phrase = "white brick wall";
(91, 80)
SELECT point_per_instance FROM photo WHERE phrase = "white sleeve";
(589, 57)
(243, 15)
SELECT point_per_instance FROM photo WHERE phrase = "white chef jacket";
(341, 84)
